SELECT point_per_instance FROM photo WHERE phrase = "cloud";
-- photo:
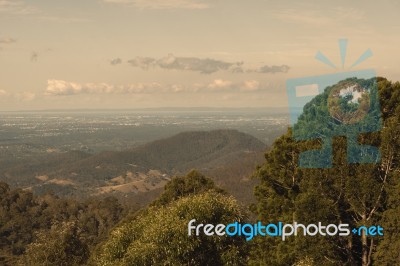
(143, 62)
(7, 40)
(266, 69)
(116, 61)
(219, 84)
(25, 96)
(171, 62)
(161, 4)
(250, 85)
(16, 7)
(66, 88)
(273, 69)
(203, 66)
(3, 93)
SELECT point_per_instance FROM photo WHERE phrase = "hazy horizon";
(161, 108)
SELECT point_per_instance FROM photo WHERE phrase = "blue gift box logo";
(339, 104)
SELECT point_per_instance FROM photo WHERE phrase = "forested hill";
(141, 172)
(182, 152)
(355, 193)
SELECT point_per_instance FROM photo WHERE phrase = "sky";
(111, 54)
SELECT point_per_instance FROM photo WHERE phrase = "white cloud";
(161, 4)
(65, 88)
(61, 87)
(220, 84)
(250, 85)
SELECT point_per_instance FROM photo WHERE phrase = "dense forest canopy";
(47, 227)
(353, 193)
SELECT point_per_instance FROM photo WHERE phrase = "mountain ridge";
(136, 171)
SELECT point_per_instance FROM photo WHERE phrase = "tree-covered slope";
(353, 193)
